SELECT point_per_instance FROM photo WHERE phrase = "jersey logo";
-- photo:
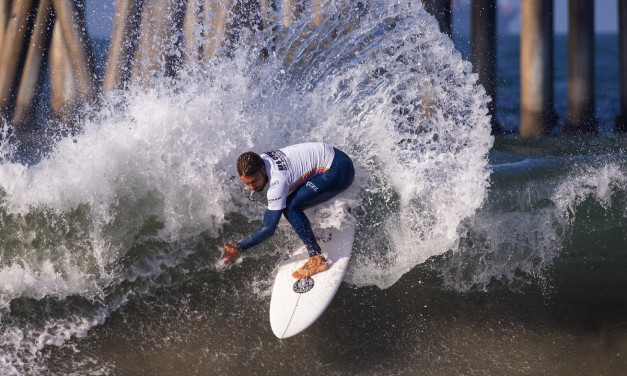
(279, 158)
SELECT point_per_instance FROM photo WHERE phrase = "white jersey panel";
(291, 166)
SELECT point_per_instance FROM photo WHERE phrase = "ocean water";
(606, 81)
(473, 255)
(606, 85)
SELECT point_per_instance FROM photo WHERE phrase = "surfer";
(299, 177)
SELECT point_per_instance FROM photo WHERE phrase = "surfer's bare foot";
(315, 264)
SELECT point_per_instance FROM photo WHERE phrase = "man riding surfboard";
(299, 176)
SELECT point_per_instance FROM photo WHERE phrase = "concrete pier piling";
(16, 36)
(194, 33)
(318, 12)
(5, 11)
(123, 44)
(216, 25)
(159, 48)
(581, 118)
(537, 114)
(290, 9)
(153, 39)
(63, 85)
(269, 15)
(71, 18)
(483, 51)
(33, 73)
(441, 10)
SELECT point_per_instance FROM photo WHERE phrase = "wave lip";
(146, 181)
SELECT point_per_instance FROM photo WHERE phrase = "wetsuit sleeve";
(270, 222)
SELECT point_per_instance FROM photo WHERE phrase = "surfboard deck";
(296, 304)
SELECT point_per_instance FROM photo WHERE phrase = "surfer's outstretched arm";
(270, 222)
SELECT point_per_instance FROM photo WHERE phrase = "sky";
(100, 15)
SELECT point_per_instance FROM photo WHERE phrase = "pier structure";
(157, 38)
(441, 10)
(483, 52)
(33, 32)
(18, 22)
(581, 118)
(621, 119)
(537, 113)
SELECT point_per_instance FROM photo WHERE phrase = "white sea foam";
(600, 183)
(518, 236)
(389, 89)
(405, 106)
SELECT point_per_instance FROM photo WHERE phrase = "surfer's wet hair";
(249, 163)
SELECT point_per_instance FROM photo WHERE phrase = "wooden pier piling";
(537, 114)
(581, 117)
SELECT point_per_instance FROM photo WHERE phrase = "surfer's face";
(257, 181)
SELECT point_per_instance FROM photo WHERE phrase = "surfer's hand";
(230, 254)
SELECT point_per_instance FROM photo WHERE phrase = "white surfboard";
(296, 304)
